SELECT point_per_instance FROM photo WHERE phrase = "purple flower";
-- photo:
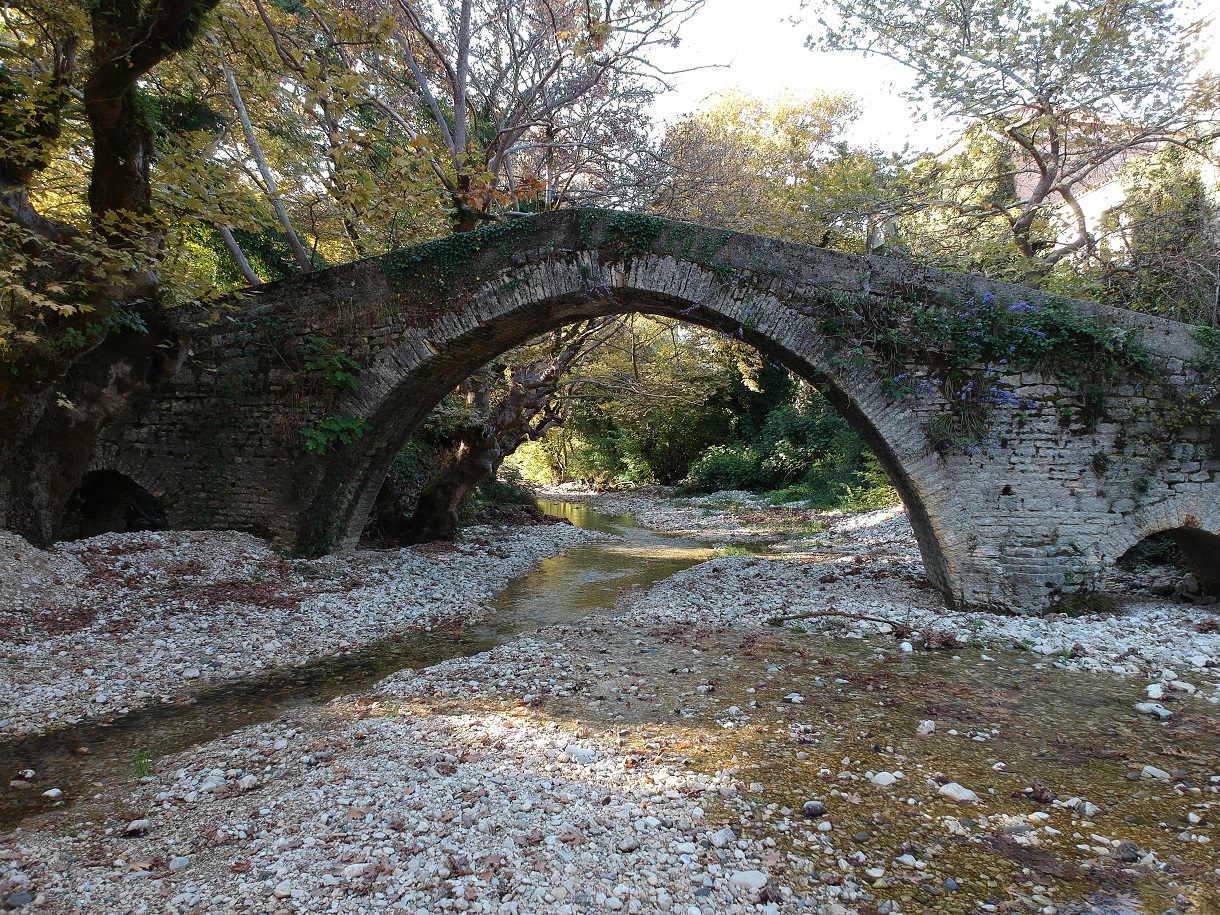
(1022, 306)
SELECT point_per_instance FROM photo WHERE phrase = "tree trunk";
(525, 409)
(273, 194)
(49, 420)
(239, 256)
(436, 514)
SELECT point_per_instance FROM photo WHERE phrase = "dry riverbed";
(92, 628)
(686, 754)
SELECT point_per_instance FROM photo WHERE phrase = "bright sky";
(765, 54)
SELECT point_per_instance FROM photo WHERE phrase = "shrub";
(726, 467)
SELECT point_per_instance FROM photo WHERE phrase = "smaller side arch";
(1193, 524)
(109, 501)
(1202, 550)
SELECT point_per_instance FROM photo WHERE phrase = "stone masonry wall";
(1042, 509)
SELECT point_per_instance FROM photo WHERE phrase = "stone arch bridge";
(1024, 477)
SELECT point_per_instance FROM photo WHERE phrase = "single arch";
(1038, 515)
(109, 501)
(879, 419)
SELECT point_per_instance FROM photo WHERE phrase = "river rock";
(813, 809)
(750, 880)
(582, 755)
(884, 779)
(955, 792)
(1154, 708)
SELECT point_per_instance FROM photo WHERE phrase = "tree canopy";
(1070, 90)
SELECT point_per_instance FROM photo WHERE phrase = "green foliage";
(777, 167)
(1052, 338)
(963, 354)
(630, 232)
(143, 764)
(642, 233)
(1157, 550)
(727, 467)
(506, 488)
(339, 370)
(1065, 89)
(337, 429)
(436, 269)
(122, 317)
(732, 549)
(1208, 339)
(1159, 250)
(678, 405)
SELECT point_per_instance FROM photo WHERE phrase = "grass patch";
(732, 550)
(1084, 602)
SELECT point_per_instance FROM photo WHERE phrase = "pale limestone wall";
(1012, 525)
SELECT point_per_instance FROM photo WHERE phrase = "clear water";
(565, 588)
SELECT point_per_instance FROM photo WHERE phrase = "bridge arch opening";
(405, 397)
(1189, 552)
(629, 400)
(108, 501)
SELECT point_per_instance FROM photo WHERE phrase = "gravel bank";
(95, 627)
(868, 565)
(681, 755)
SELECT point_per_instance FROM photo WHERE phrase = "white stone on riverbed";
(955, 792)
(176, 596)
(460, 776)
(750, 880)
(1153, 708)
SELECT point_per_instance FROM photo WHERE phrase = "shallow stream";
(565, 588)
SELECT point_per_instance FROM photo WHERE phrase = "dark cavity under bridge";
(1032, 441)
